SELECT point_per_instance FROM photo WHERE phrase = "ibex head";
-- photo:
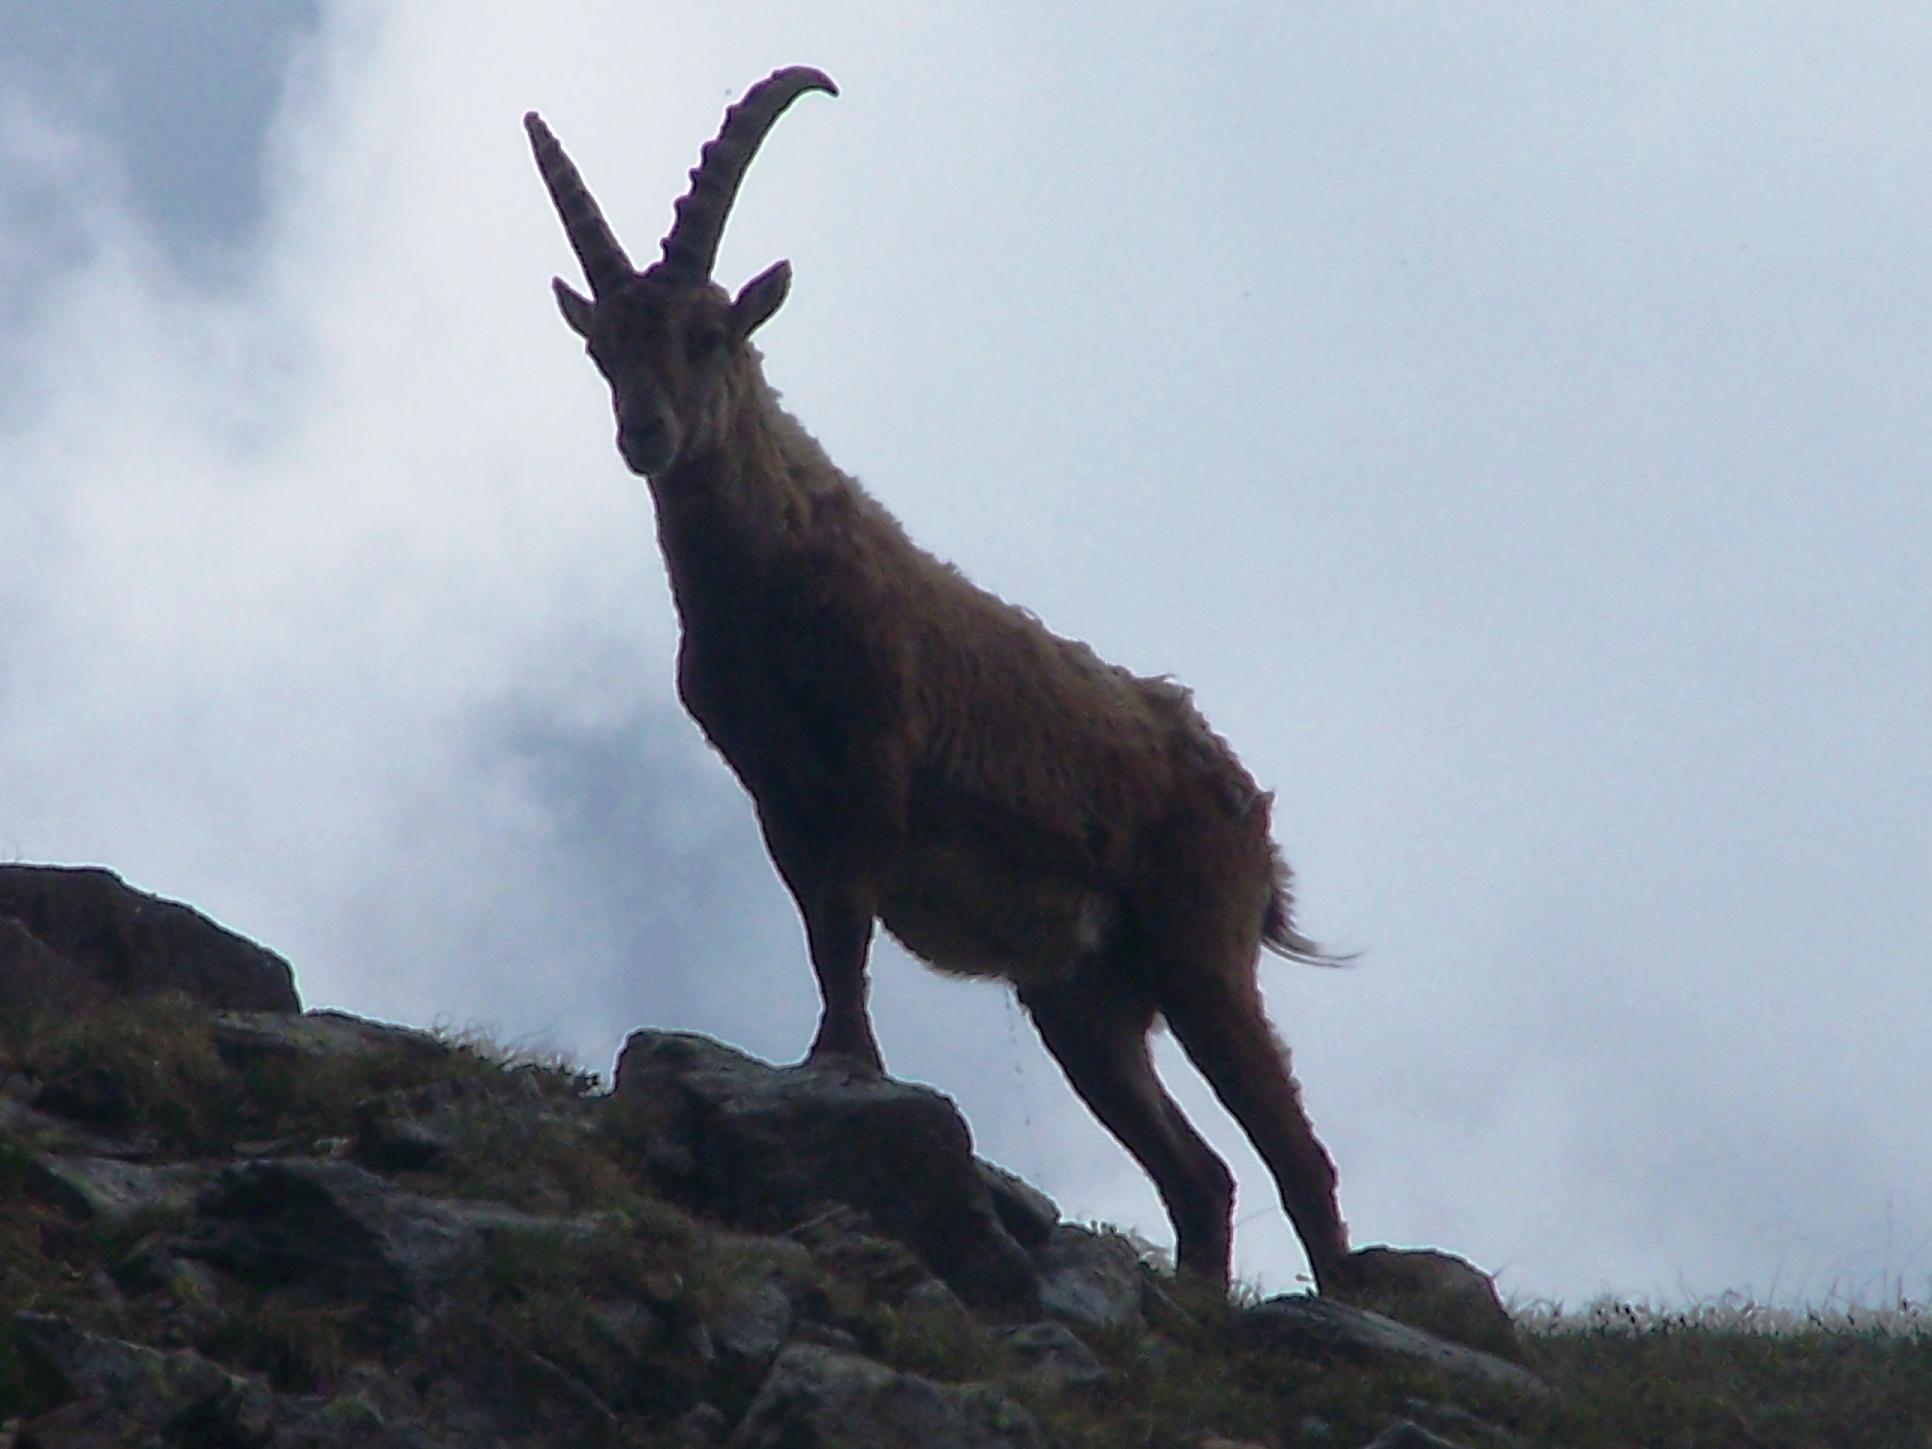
(668, 339)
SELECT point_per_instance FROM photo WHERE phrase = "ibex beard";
(923, 754)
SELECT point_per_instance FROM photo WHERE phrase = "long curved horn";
(692, 245)
(606, 267)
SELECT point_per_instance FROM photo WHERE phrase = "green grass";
(1166, 1390)
(147, 1066)
(1737, 1373)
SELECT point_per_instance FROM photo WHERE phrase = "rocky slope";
(226, 1222)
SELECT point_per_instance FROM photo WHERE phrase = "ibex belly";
(961, 910)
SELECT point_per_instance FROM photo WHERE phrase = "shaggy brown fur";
(923, 754)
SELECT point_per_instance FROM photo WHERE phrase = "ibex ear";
(574, 305)
(759, 298)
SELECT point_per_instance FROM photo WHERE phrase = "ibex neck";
(730, 508)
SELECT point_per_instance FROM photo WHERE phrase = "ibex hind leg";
(1099, 1038)
(1223, 1027)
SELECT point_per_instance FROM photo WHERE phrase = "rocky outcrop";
(765, 1147)
(1320, 1327)
(111, 1386)
(255, 1227)
(817, 1396)
(74, 936)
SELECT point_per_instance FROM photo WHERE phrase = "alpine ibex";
(923, 754)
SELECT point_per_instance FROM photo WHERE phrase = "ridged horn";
(606, 267)
(691, 247)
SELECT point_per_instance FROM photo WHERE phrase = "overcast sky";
(1510, 419)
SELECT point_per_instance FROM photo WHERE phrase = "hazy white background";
(1511, 419)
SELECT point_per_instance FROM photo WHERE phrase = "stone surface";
(367, 1407)
(1090, 1277)
(343, 1234)
(1025, 1212)
(1429, 1289)
(329, 1225)
(1455, 1422)
(35, 979)
(752, 1322)
(842, 1239)
(1322, 1328)
(125, 1380)
(438, 1126)
(1407, 1434)
(766, 1147)
(251, 1036)
(119, 941)
(1054, 1354)
(820, 1398)
(490, 1387)
(55, 1133)
(112, 1191)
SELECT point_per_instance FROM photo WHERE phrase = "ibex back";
(923, 754)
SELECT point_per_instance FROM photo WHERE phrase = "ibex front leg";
(838, 912)
(839, 930)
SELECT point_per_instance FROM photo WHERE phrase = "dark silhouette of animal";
(924, 754)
